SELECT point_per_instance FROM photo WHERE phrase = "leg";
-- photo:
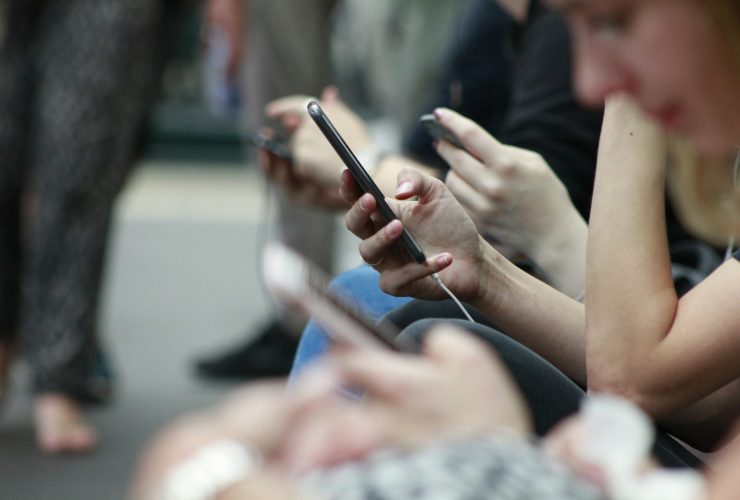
(14, 101)
(94, 64)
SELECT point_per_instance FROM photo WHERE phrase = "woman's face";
(669, 54)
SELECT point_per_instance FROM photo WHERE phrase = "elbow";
(631, 385)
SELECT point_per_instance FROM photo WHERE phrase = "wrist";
(210, 471)
(561, 254)
(492, 278)
(370, 157)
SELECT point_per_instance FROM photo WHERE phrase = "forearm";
(706, 423)
(534, 313)
(631, 302)
(561, 256)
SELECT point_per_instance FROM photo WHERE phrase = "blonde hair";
(705, 193)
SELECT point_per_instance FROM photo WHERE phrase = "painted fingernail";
(444, 259)
(404, 187)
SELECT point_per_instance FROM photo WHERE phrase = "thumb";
(451, 345)
(411, 183)
(330, 94)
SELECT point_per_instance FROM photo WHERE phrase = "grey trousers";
(77, 78)
(287, 53)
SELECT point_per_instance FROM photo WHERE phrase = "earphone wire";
(735, 168)
(436, 278)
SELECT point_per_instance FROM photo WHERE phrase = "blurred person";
(447, 424)
(284, 47)
(313, 444)
(77, 79)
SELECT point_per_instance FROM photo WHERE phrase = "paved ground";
(181, 281)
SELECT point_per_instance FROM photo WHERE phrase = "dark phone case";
(438, 131)
(363, 179)
(274, 146)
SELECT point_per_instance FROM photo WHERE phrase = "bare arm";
(642, 341)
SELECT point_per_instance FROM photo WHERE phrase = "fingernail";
(365, 204)
(404, 187)
(444, 259)
(393, 228)
(438, 113)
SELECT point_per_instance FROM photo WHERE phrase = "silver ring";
(374, 263)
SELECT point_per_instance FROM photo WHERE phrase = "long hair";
(706, 193)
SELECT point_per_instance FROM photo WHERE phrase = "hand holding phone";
(363, 179)
(275, 146)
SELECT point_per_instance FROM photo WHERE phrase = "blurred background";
(181, 279)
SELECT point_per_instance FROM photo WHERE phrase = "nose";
(599, 73)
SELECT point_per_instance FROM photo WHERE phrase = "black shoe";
(270, 354)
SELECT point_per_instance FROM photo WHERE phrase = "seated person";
(540, 114)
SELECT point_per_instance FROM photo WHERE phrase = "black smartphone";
(438, 131)
(275, 146)
(364, 181)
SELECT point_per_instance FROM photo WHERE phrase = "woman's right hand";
(449, 238)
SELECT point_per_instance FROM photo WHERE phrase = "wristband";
(210, 471)
(370, 158)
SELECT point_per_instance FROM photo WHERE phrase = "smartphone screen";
(364, 181)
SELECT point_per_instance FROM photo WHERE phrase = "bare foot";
(61, 426)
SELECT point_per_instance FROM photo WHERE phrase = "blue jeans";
(362, 287)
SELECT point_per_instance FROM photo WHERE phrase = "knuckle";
(467, 133)
(493, 191)
(350, 220)
(389, 285)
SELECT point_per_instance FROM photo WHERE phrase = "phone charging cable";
(436, 278)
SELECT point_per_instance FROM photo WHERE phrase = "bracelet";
(370, 157)
(210, 471)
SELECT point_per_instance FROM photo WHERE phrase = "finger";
(453, 346)
(382, 374)
(403, 280)
(477, 205)
(330, 94)
(464, 164)
(294, 104)
(475, 138)
(375, 247)
(357, 218)
(348, 188)
(411, 183)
